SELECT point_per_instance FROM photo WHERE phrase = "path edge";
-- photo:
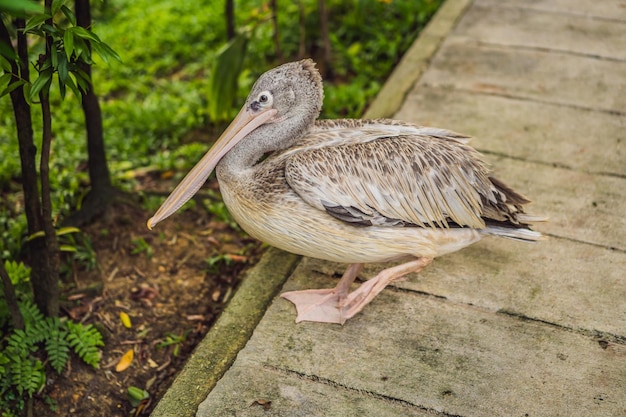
(416, 60)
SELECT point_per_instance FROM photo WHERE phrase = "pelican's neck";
(264, 139)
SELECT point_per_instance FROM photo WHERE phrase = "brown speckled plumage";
(353, 191)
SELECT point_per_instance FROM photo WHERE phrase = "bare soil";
(172, 296)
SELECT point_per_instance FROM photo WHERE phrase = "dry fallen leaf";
(125, 318)
(125, 361)
(266, 404)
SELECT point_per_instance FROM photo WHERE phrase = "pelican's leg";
(359, 298)
(322, 305)
(336, 305)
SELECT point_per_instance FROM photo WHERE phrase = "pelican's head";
(291, 94)
(294, 90)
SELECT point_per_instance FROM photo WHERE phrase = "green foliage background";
(155, 102)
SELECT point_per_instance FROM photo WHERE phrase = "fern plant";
(24, 353)
(85, 341)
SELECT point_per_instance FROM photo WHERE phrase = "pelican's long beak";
(245, 122)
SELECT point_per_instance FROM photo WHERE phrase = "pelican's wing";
(419, 179)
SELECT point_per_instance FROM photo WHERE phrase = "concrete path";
(501, 328)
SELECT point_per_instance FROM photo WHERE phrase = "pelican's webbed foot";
(336, 305)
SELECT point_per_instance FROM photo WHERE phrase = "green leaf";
(223, 85)
(27, 375)
(36, 21)
(56, 6)
(12, 87)
(105, 52)
(54, 56)
(80, 81)
(62, 88)
(62, 68)
(68, 43)
(26, 91)
(58, 351)
(97, 47)
(20, 7)
(85, 341)
(72, 85)
(111, 52)
(4, 80)
(50, 30)
(57, 346)
(86, 34)
(137, 395)
(67, 230)
(80, 48)
(18, 272)
(35, 235)
(69, 14)
(42, 83)
(82, 78)
(47, 64)
(67, 248)
(5, 64)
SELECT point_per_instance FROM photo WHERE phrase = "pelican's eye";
(265, 98)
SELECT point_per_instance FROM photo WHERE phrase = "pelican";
(350, 191)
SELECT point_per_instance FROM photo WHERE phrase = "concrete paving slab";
(281, 392)
(545, 76)
(580, 206)
(567, 30)
(611, 10)
(583, 140)
(433, 355)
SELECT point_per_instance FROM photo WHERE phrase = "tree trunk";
(100, 195)
(302, 41)
(36, 249)
(230, 19)
(24, 126)
(276, 36)
(98, 168)
(327, 54)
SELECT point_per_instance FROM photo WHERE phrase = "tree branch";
(37, 255)
(47, 292)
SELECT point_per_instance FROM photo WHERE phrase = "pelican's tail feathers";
(530, 218)
(522, 234)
